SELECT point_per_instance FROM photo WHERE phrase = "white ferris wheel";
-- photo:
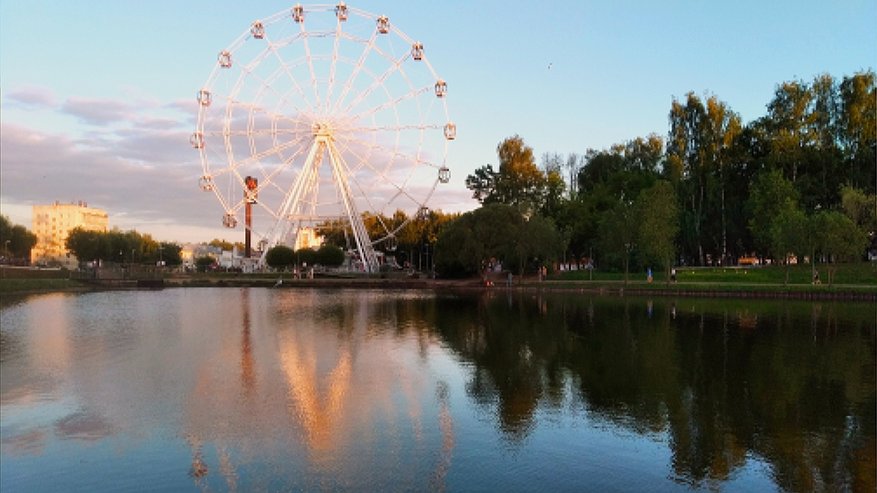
(318, 114)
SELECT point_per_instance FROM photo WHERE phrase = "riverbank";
(848, 292)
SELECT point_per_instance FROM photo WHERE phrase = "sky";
(97, 98)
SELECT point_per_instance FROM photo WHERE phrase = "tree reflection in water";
(792, 383)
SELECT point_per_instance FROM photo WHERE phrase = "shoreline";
(598, 288)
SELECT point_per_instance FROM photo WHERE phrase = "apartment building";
(52, 223)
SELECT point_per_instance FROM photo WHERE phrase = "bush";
(203, 263)
(330, 256)
(280, 257)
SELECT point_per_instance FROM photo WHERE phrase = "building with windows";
(52, 223)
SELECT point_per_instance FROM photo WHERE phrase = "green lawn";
(33, 285)
(864, 274)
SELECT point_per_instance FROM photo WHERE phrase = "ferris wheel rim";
(233, 168)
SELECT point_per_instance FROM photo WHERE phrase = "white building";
(52, 224)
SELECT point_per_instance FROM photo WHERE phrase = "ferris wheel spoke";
(247, 132)
(310, 60)
(366, 163)
(412, 94)
(396, 66)
(392, 153)
(395, 128)
(334, 66)
(285, 67)
(253, 107)
(348, 84)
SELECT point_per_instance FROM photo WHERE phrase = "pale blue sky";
(96, 95)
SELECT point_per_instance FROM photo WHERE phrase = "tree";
(860, 207)
(645, 153)
(769, 195)
(495, 231)
(518, 181)
(330, 256)
(618, 233)
(658, 224)
(788, 234)
(226, 245)
(204, 263)
(552, 200)
(483, 184)
(857, 125)
(279, 257)
(16, 240)
(839, 239)
(302, 256)
(87, 245)
(170, 254)
(537, 241)
(700, 139)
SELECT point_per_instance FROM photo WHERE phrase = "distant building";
(308, 238)
(52, 223)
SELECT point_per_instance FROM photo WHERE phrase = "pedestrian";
(673, 274)
(649, 275)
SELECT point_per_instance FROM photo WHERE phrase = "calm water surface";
(312, 390)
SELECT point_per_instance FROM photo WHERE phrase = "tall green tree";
(618, 233)
(518, 182)
(860, 207)
(788, 234)
(770, 194)
(839, 240)
(658, 224)
(858, 129)
(699, 141)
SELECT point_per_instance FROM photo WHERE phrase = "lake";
(252, 389)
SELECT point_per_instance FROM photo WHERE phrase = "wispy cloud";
(32, 96)
(140, 177)
(97, 111)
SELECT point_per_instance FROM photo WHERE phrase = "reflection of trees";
(791, 383)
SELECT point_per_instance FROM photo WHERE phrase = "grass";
(8, 286)
(858, 278)
(860, 274)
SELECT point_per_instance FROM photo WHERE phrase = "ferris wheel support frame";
(323, 144)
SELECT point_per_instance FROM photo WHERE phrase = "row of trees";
(283, 257)
(122, 247)
(408, 239)
(734, 188)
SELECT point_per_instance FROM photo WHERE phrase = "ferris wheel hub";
(322, 129)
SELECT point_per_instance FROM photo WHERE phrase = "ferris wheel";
(321, 115)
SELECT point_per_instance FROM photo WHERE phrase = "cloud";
(32, 97)
(97, 111)
(119, 176)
